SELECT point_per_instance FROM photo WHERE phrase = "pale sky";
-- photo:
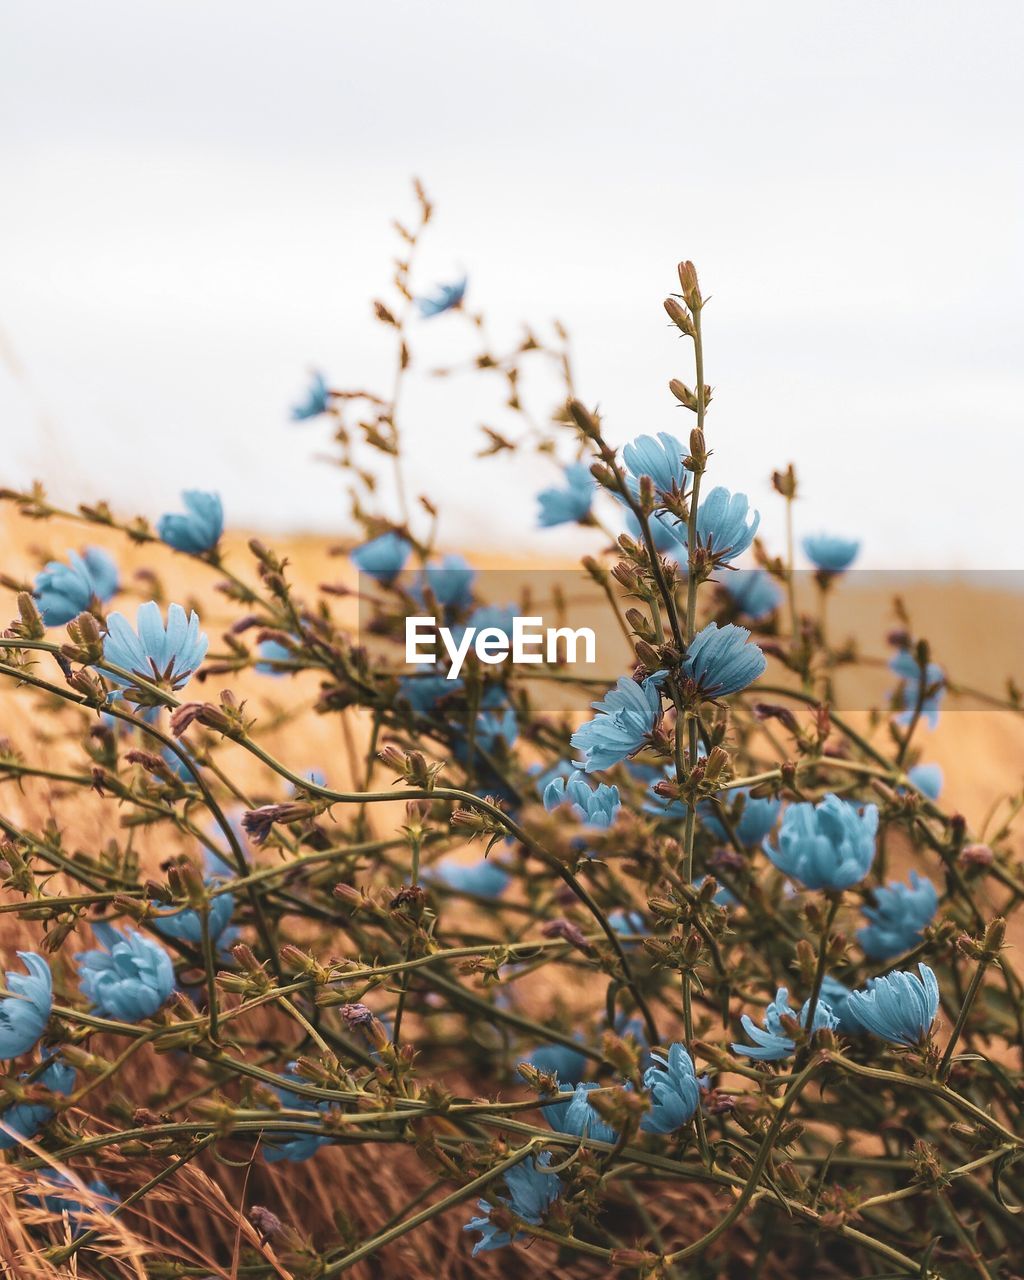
(197, 207)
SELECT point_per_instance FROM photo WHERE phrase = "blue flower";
(720, 661)
(25, 1119)
(674, 1090)
(898, 918)
(25, 1012)
(900, 1007)
(129, 978)
(830, 845)
(186, 924)
(498, 723)
(661, 459)
(929, 688)
(65, 1197)
(295, 1145)
(451, 581)
(726, 525)
(773, 1041)
(423, 693)
(444, 298)
(558, 1059)
(271, 652)
(826, 551)
(382, 558)
(532, 1194)
(577, 1116)
(63, 591)
(317, 401)
(753, 592)
(928, 779)
(837, 997)
(156, 653)
(757, 817)
(200, 529)
(626, 717)
(570, 505)
(596, 806)
(485, 879)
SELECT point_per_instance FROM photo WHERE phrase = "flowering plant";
(632, 980)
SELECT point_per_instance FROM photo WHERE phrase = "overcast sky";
(197, 207)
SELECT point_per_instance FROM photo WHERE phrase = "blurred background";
(197, 211)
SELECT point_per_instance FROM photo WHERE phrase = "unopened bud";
(683, 394)
(698, 460)
(268, 1224)
(624, 1055)
(572, 933)
(32, 627)
(994, 936)
(245, 958)
(647, 656)
(588, 423)
(689, 285)
(679, 317)
(784, 482)
(976, 855)
(772, 711)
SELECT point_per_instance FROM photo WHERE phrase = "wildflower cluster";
(701, 975)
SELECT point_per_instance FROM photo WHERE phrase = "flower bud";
(689, 285)
(679, 317)
(205, 712)
(994, 936)
(784, 482)
(303, 962)
(647, 656)
(976, 855)
(626, 576)
(258, 823)
(349, 894)
(31, 627)
(771, 711)
(624, 1055)
(596, 571)
(698, 460)
(245, 958)
(716, 767)
(413, 766)
(717, 1103)
(572, 933)
(268, 1224)
(588, 423)
(663, 907)
(683, 394)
